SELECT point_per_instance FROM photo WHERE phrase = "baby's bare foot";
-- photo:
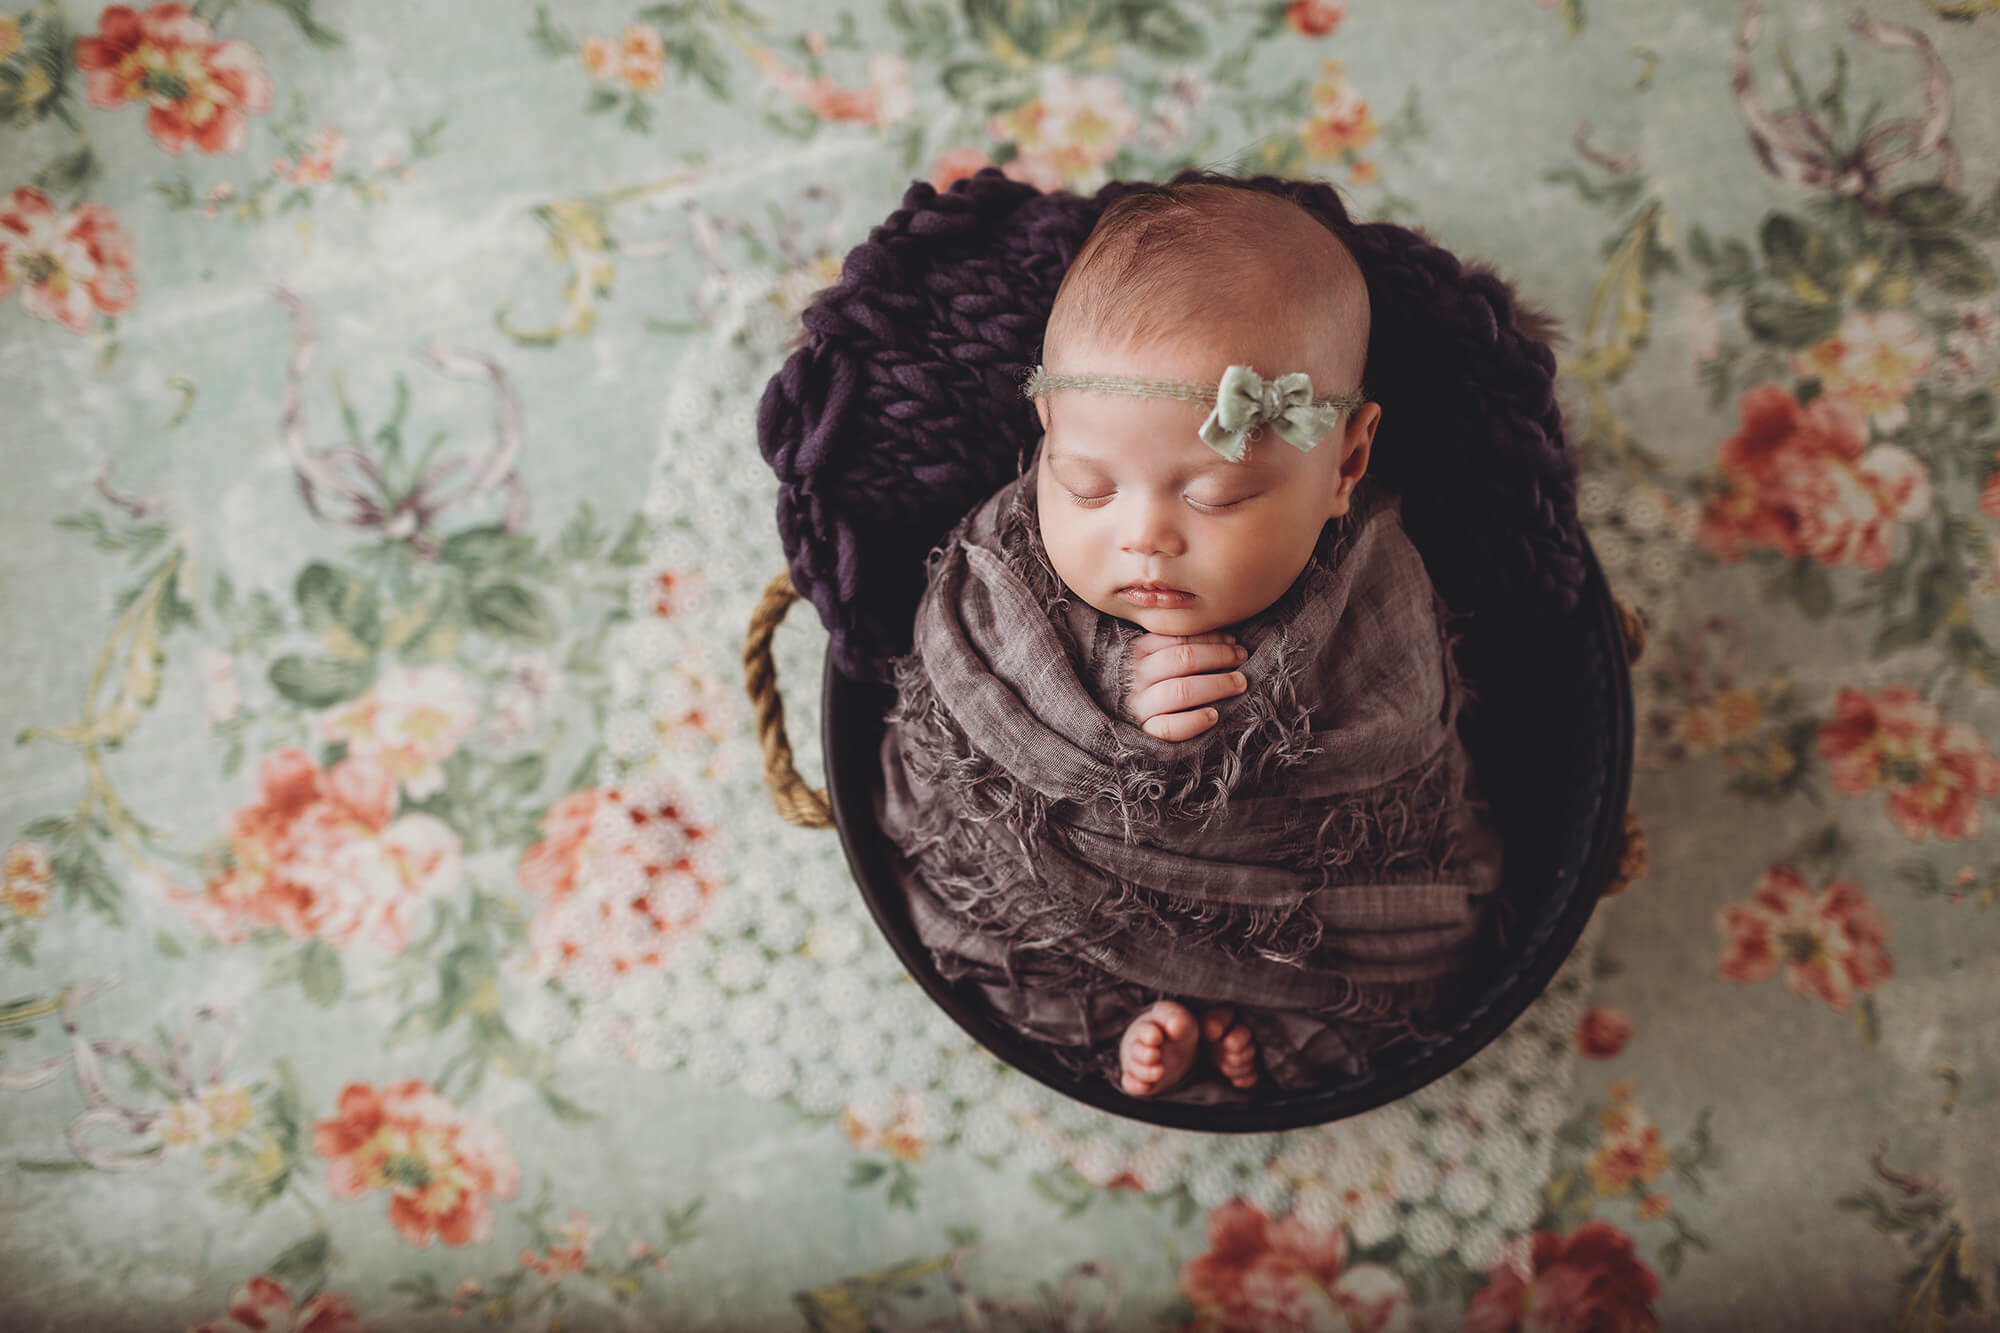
(1158, 1049)
(1230, 1045)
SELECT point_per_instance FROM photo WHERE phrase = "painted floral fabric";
(363, 803)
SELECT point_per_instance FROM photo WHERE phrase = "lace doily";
(765, 971)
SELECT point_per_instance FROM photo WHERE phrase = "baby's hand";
(1173, 675)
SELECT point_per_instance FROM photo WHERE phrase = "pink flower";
(1802, 481)
(1256, 1275)
(1989, 494)
(568, 1255)
(896, 1121)
(25, 892)
(1937, 772)
(600, 57)
(1314, 18)
(221, 699)
(1587, 1282)
(317, 166)
(1603, 1032)
(68, 265)
(1628, 1149)
(955, 164)
(642, 58)
(198, 89)
(319, 855)
(441, 1170)
(884, 100)
(1833, 945)
(1341, 121)
(1070, 129)
(410, 723)
(620, 875)
(1871, 364)
(263, 1306)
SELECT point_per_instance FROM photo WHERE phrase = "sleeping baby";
(1174, 765)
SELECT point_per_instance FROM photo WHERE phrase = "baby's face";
(1145, 522)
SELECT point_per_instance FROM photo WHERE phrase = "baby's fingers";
(1185, 659)
(1180, 693)
(1180, 726)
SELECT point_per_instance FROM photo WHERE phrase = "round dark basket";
(1552, 738)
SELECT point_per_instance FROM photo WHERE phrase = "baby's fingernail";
(1212, 714)
(1236, 679)
(1242, 653)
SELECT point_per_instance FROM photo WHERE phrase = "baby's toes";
(1216, 1022)
(1174, 1021)
(1237, 1057)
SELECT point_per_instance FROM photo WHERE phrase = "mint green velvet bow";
(1246, 400)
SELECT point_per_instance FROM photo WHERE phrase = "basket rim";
(1559, 926)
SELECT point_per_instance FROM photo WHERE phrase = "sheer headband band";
(1244, 401)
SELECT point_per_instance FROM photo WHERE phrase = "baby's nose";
(1152, 530)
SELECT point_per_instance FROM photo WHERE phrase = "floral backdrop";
(391, 935)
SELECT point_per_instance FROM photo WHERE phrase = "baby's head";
(1177, 284)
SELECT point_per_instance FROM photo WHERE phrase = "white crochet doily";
(765, 970)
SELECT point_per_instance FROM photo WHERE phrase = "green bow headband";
(1244, 402)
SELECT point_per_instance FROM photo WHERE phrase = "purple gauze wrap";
(901, 409)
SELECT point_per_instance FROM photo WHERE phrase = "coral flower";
(197, 90)
(441, 1170)
(1590, 1279)
(1832, 945)
(69, 266)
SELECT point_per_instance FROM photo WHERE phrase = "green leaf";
(1164, 32)
(320, 975)
(553, 40)
(1937, 589)
(487, 549)
(427, 626)
(70, 173)
(699, 57)
(1795, 251)
(300, 12)
(970, 81)
(1896, 636)
(1812, 588)
(513, 612)
(865, 1173)
(1951, 265)
(168, 946)
(521, 775)
(631, 546)
(344, 610)
(77, 866)
(304, 1263)
(1787, 321)
(1927, 206)
(321, 682)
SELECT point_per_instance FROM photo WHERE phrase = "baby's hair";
(1164, 259)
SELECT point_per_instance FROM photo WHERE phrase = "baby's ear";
(1357, 442)
(1042, 412)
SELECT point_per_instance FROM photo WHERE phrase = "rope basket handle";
(795, 801)
(1632, 859)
